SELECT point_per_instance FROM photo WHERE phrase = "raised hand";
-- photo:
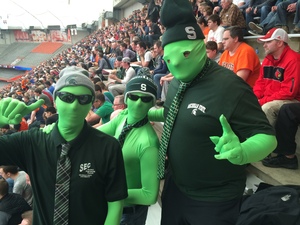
(12, 110)
(228, 145)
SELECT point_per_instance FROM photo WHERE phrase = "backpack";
(275, 205)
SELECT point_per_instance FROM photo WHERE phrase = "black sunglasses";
(145, 99)
(69, 98)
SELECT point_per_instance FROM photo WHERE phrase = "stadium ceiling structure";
(26, 14)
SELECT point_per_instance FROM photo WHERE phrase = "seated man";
(118, 106)
(236, 49)
(118, 89)
(101, 113)
(286, 127)
(140, 148)
(11, 205)
(278, 82)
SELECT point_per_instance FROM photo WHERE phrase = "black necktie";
(61, 205)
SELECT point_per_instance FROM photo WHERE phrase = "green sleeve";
(156, 115)
(258, 147)
(147, 194)
(115, 210)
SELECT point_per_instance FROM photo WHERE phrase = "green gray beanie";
(141, 84)
(73, 76)
(178, 18)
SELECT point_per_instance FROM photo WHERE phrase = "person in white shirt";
(216, 31)
(118, 89)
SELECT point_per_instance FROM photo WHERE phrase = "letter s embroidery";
(191, 33)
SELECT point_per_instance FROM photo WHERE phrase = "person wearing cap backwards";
(140, 147)
(212, 129)
(97, 181)
(278, 82)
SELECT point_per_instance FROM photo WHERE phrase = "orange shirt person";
(238, 56)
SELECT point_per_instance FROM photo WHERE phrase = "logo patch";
(196, 108)
(85, 170)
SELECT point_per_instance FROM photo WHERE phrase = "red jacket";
(279, 79)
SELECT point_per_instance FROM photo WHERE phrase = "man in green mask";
(139, 146)
(213, 127)
(96, 178)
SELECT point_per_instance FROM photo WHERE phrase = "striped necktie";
(128, 127)
(171, 116)
(61, 205)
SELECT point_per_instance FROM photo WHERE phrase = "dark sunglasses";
(69, 98)
(145, 99)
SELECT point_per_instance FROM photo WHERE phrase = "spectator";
(50, 115)
(127, 52)
(212, 51)
(258, 8)
(118, 89)
(20, 185)
(278, 81)
(203, 26)
(139, 146)
(49, 86)
(236, 49)
(276, 18)
(144, 55)
(118, 106)
(297, 19)
(39, 95)
(190, 195)
(231, 15)
(101, 113)
(98, 157)
(154, 32)
(12, 206)
(215, 30)
(161, 71)
(286, 127)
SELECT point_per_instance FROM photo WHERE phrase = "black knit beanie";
(178, 18)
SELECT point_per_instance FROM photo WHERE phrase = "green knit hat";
(141, 84)
(178, 18)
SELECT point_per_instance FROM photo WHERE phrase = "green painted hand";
(228, 145)
(47, 129)
(12, 110)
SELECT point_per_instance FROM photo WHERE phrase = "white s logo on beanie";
(191, 32)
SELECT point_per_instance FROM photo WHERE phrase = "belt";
(131, 209)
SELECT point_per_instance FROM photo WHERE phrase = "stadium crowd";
(115, 54)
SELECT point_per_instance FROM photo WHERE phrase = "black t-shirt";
(97, 172)
(191, 152)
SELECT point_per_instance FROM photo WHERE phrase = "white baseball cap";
(275, 34)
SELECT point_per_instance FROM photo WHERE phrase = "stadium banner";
(42, 36)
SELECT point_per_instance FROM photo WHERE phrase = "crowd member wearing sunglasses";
(140, 148)
(97, 184)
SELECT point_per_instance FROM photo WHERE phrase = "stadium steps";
(22, 51)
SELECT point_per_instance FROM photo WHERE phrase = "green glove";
(253, 149)
(47, 129)
(12, 110)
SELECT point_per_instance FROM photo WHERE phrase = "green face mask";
(185, 59)
(137, 109)
(72, 114)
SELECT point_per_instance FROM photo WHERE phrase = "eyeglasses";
(145, 99)
(69, 98)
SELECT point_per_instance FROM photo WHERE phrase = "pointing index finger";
(225, 125)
